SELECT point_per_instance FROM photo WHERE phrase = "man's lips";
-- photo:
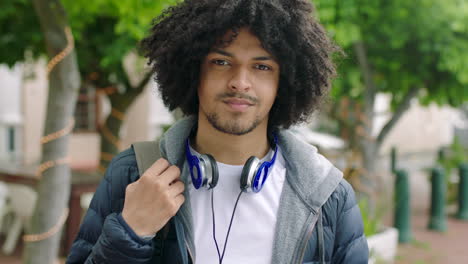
(237, 101)
(237, 104)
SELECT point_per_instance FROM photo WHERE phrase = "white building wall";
(420, 129)
(135, 126)
(147, 115)
(11, 115)
(159, 115)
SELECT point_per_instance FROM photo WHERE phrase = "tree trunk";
(54, 186)
(366, 141)
(110, 140)
(110, 131)
(369, 144)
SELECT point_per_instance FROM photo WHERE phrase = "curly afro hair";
(183, 35)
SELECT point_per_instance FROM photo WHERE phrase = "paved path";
(431, 247)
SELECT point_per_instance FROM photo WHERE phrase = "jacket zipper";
(190, 252)
(308, 235)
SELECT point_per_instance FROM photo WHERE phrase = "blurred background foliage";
(104, 30)
(409, 43)
(404, 49)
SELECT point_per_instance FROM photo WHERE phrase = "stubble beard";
(232, 126)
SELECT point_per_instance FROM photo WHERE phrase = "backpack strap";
(146, 152)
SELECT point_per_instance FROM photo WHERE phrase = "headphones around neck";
(204, 170)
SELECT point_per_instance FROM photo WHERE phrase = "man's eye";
(220, 62)
(263, 67)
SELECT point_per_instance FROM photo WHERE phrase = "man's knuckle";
(129, 188)
(173, 170)
(145, 177)
(162, 162)
(181, 188)
(176, 169)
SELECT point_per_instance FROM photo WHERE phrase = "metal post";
(393, 159)
(463, 192)
(402, 215)
(441, 154)
(438, 220)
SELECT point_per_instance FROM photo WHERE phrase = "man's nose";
(240, 80)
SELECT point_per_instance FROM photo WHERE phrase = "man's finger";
(177, 188)
(169, 175)
(180, 199)
(157, 168)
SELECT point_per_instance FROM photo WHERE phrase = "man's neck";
(228, 148)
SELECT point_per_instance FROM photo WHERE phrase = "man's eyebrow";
(227, 54)
(262, 58)
(222, 52)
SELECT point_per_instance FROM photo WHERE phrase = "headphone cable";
(214, 225)
(229, 228)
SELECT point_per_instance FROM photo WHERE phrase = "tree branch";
(139, 88)
(401, 109)
(134, 90)
(370, 90)
(125, 79)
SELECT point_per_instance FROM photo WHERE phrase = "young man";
(233, 185)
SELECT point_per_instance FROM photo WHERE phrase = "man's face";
(238, 85)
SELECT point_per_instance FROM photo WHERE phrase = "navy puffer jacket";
(105, 237)
(314, 192)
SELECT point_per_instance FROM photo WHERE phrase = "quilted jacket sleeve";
(350, 242)
(104, 237)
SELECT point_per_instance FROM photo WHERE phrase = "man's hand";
(152, 200)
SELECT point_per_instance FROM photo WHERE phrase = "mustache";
(227, 95)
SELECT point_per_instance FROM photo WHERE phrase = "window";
(10, 149)
(11, 140)
(86, 111)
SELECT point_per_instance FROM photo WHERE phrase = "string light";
(107, 156)
(60, 133)
(110, 137)
(59, 57)
(101, 169)
(51, 163)
(117, 114)
(52, 231)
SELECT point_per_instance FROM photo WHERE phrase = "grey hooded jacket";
(312, 185)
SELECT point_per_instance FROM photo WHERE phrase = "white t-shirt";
(251, 236)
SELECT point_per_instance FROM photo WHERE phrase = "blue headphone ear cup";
(214, 170)
(247, 174)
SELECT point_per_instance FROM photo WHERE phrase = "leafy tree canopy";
(420, 43)
(104, 30)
